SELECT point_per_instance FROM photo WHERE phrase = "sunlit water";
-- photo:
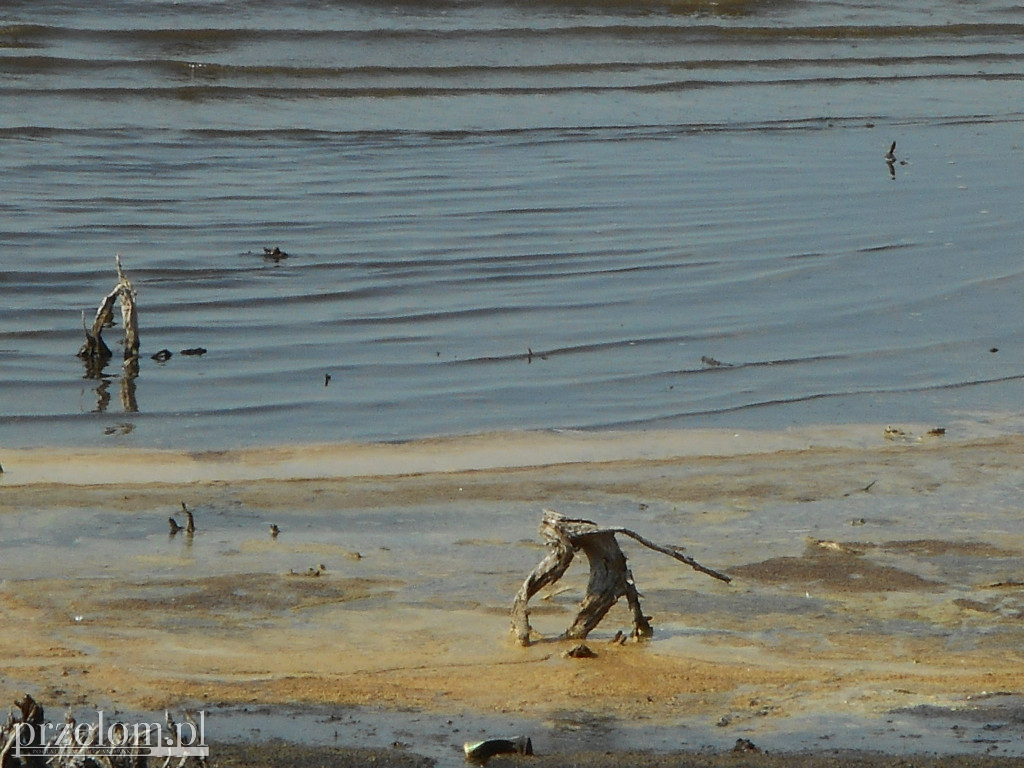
(506, 216)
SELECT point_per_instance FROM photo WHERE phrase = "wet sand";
(876, 600)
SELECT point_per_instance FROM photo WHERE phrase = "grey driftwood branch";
(95, 350)
(610, 578)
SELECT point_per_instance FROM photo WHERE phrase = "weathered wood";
(95, 351)
(129, 317)
(610, 578)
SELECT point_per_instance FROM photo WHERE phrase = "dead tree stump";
(95, 351)
(610, 578)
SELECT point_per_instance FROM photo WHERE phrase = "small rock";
(580, 651)
(745, 745)
(162, 356)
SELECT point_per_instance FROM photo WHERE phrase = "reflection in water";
(130, 373)
(891, 162)
(129, 402)
(102, 396)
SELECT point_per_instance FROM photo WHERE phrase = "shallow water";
(509, 216)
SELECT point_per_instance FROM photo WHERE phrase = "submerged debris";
(897, 434)
(274, 254)
(310, 572)
(902, 435)
(745, 745)
(711, 362)
(530, 354)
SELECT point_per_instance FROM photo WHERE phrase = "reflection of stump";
(610, 578)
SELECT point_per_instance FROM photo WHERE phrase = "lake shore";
(875, 603)
(285, 757)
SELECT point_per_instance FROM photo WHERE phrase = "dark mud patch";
(252, 593)
(213, 600)
(940, 548)
(279, 754)
(836, 571)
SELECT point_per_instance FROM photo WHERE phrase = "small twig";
(674, 552)
(190, 527)
(866, 489)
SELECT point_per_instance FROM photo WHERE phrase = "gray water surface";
(509, 216)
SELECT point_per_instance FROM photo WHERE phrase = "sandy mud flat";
(876, 599)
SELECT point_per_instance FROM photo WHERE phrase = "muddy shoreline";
(285, 756)
(875, 605)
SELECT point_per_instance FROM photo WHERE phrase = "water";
(507, 216)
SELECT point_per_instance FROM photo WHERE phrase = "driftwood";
(190, 525)
(610, 578)
(95, 351)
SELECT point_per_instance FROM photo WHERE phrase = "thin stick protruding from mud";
(190, 526)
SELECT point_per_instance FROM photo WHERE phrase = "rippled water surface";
(509, 216)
